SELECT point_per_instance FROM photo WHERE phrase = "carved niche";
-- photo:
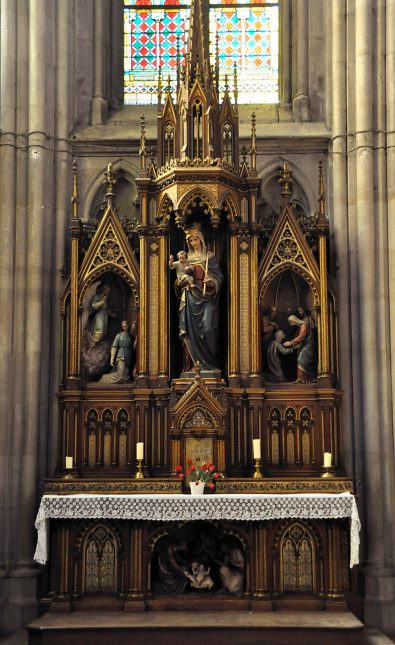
(197, 427)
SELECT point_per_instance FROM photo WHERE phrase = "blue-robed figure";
(198, 312)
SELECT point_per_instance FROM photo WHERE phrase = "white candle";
(140, 450)
(109, 168)
(256, 447)
(69, 463)
(327, 459)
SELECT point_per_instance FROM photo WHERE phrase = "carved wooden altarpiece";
(122, 273)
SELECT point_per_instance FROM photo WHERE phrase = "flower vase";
(197, 488)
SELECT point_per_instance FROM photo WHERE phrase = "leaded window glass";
(242, 34)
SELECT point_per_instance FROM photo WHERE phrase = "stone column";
(7, 196)
(26, 82)
(285, 58)
(379, 446)
(63, 125)
(388, 620)
(390, 106)
(22, 581)
(301, 103)
(338, 160)
(99, 105)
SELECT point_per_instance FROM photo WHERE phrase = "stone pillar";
(338, 161)
(301, 103)
(7, 188)
(285, 58)
(99, 105)
(63, 126)
(379, 446)
(27, 86)
(365, 272)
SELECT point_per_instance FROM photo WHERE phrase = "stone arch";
(121, 166)
(270, 172)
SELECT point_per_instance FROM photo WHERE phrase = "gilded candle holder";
(139, 473)
(328, 471)
(70, 473)
(258, 472)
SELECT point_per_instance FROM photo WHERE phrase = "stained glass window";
(247, 38)
(241, 32)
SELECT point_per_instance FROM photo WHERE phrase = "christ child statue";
(183, 270)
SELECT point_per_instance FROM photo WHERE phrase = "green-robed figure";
(198, 312)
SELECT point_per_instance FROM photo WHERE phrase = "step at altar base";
(160, 628)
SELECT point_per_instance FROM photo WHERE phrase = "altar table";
(206, 507)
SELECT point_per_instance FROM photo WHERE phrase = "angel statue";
(198, 311)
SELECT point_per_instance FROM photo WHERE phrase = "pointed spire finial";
(286, 181)
(235, 91)
(159, 87)
(143, 154)
(226, 84)
(74, 196)
(244, 154)
(152, 156)
(321, 188)
(110, 181)
(322, 224)
(217, 61)
(253, 142)
(198, 369)
(178, 64)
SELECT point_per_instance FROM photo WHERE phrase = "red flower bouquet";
(205, 473)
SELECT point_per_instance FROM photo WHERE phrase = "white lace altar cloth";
(165, 508)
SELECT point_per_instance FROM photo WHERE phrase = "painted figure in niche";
(121, 356)
(305, 315)
(200, 577)
(198, 557)
(232, 568)
(183, 270)
(100, 312)
(269, 328)
(277, 348)
(107, 302)
(95, 319)
(173, 564)
(304, 343)
(198, 311)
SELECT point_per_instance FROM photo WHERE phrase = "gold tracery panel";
(100, 557)
(297, 551)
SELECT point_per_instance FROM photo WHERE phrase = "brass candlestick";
(328, 471)
(69, 473)
(258, 473)
(139, 474)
